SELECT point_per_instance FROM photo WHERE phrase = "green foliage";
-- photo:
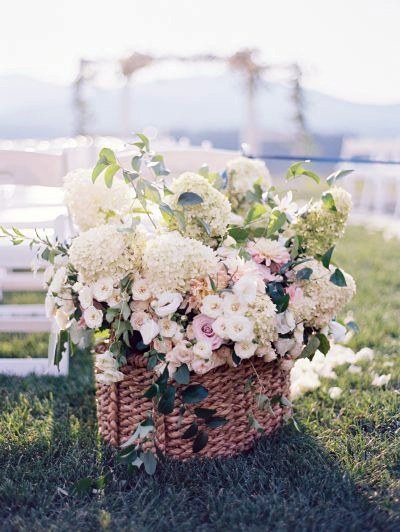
(331, 179)
(188, 199)
(338, 278)
(194, 394)
(296, 170)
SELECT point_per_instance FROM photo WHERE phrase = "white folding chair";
(34, 180)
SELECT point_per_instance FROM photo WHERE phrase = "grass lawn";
(341, 472)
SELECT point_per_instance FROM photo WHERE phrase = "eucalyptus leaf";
(204, 413)
(194, 393)
(167, 400)
(190, 432)
(329, 202)
(149, 461)
(189, 199)
(215, 422)
(200, 441)
(182, 374)
(338, 278)
(326, 257)
(311, 347)
(304, 274)
(110, 173)
(331, 179)
(324, 344)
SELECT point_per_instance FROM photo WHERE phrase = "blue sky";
(348, 48)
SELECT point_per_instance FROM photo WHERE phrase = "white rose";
(168, 327)
(58, 280)
(48, 274)
(220, 327)
(105, 361)
(283, 345)
(233, 306)
(167, 303)
(138, 319)
(103, 288)
(93, 317)
(239, 329)
(149, 330)
(212, 306)
(246, 289)
(77, 287)
(115, 299)
(86, 297)
(285, 322)
(109, 377)
(202, 349)
(49, 305)
(62, 319)
(245, 349)
(140, 290)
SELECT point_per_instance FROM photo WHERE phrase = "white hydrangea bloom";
(171, 261)
(329, 299)
(105, 252)
(244, 172)
(215, 210)
(262, 312)
(93, 204)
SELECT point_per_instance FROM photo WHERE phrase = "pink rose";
(180, 354)
(202, 330)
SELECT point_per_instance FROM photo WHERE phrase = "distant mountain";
(30, 108)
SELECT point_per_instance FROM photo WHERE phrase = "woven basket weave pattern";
(234, 401)
(121, 406)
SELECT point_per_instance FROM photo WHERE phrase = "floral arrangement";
(197, 272)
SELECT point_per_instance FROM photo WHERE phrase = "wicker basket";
(121, 406)
(233, 400)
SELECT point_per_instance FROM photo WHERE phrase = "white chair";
(34, 180)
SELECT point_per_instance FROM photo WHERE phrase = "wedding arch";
(254, 73)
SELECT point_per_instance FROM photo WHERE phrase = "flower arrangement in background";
(176, 281)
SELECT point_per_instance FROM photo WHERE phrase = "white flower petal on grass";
(335, 392)
(380, 380)
(354, 369)
(93, 317)
(366, 354)
(149, 330)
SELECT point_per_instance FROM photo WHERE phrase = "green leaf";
(200, 441)
(338, 278)
(149, 461)
(204, 413)
(337, 175)
(215, 422)
(304, 274)
(352, 325)
(151, 391)
(282, 303)
(326, 257)
(83, 486)
(311, 347)
(107, 155)
(204, 225)
(239, 234)
(182, 374)
(276, 222)
(324, 344)
(144, 142)
(194, 394)
(188, 199)
(285, 402)
(136, 162)
(110, 173)
(167, 400)
(297, 169)
(203, 170)
(190, 432)
(98, 169)
(63, 338)
(256, 211)
(329, 202)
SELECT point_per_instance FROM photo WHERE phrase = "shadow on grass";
(48, 440)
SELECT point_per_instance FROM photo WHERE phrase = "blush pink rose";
(202, 330)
